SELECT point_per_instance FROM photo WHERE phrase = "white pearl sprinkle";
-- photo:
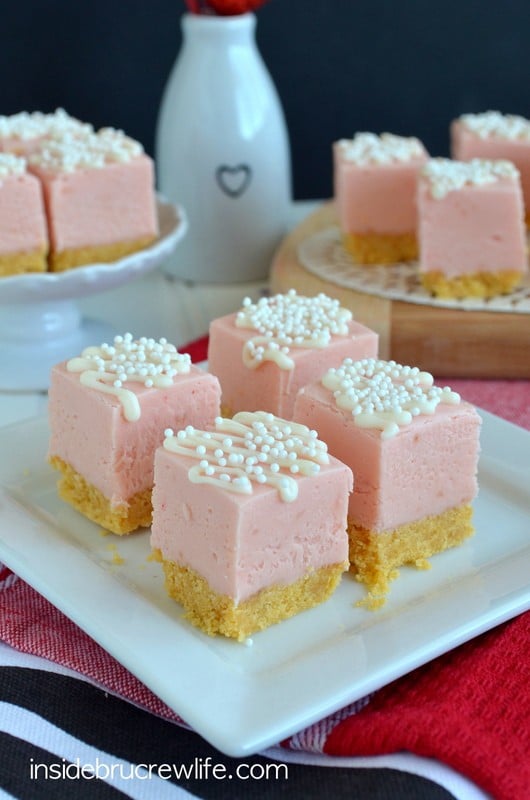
(384, 394)
(109, 366)
(290, 319)
(236, 466)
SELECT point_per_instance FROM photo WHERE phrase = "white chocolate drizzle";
(494, 124)
(108, 367)
(369, 148)
(385, 395)
(252, 447)
(445, 175)
(289, 320)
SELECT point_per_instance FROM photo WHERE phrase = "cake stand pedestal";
(35, 336)
(40, 322)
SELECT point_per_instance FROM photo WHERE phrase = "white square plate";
(243, 699)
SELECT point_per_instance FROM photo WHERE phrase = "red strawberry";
(226, 7)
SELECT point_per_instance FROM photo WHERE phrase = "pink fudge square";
(426, 468)
(268, 387)
(471, 221)
(99, 196)
(241, 543)
(494, 136)
(375, 183)
(92, 435)
(413, 450)
(23, 235)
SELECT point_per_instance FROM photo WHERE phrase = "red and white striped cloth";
(469, 708)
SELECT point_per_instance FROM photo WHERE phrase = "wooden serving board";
(446, 342)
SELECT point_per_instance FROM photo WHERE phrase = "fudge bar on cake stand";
(99, 196)
(23, 232)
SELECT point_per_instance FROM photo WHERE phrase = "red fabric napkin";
(469, 708)
(198, 350)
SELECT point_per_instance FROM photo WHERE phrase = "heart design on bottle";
(233, 181)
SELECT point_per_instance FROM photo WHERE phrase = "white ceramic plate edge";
(243, 699)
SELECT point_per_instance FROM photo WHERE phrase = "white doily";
(323, 255)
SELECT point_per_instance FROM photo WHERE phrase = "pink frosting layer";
(376, 198)
(425, 469)
(102, 206)
(22, 219)
(89, 431)
(269, 388)
(478, 228)
(466, 144)
(243, 543)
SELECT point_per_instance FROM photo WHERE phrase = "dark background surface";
(406, 67)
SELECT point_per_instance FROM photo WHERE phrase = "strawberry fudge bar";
(413, 449)
(99, 196)
(268, 350)
(23, 234)
(471, 228)
(375, 181)
(495, 136)
(249, 521)
(23, 133)
(108, 410)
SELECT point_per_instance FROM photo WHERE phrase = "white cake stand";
(40, 322)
